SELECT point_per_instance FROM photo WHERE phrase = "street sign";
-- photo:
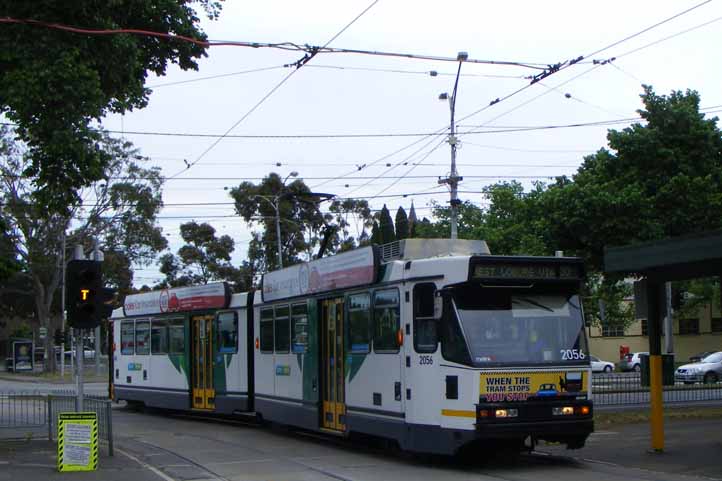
(43, 332)
(77, 442)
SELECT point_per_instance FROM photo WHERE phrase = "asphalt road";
(182, 447)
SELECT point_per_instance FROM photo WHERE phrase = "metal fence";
(34, 413)
(613, 389)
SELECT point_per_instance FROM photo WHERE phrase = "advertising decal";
(209, 296)
(349, 269)
(521, 386)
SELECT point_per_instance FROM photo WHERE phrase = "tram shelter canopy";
(674, 259)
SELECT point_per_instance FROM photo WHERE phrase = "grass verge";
(602, 419)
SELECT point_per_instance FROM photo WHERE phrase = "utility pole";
(453, 179)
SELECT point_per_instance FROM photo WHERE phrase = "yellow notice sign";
(520, 386)
(77, 442)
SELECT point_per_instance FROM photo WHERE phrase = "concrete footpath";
(35, 459)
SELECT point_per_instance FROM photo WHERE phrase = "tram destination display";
(522, 271)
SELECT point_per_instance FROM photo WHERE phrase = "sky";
(396, 98)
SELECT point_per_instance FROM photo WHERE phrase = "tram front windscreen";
(510, 326)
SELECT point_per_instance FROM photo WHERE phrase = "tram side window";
(425, 335)
(386, 320)
(176, 337)
(227, 332)
(159, 337)
(267, 330)
(282, 329)
(142, 337)
(299, 328)
(359, 313)
(127, 338)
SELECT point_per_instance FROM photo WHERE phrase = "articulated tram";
(435, 344)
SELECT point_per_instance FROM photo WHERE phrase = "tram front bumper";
(566, 421)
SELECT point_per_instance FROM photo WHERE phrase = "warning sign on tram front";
(77, 442)
(520, 386)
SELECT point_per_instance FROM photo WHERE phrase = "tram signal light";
(59, 337)
(84, 300)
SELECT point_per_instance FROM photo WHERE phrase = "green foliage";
(514, 223)
(376, 233)
(23, 330)
(55, 84)
(608, 302)
(386, 226)
(402, 224)
(664, 180)
(297, 210)
(120, 212)
(204, 258)
(348, 213)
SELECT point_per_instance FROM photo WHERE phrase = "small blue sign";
(283, 370)
(135, 366)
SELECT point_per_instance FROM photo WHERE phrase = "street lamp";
(275, 203)
(453, 179)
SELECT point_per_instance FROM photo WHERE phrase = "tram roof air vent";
(411, 249)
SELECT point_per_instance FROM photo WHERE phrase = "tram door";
(332, 365)
(202, 365)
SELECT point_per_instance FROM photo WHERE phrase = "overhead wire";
(300, 63)
(212, 77)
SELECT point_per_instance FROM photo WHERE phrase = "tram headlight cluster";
(506, 413)
(571, 410)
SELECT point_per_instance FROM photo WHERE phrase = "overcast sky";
(342, 93)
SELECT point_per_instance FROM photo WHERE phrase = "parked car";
(600, 366)
(70, 354)
(708, 370)
(699, 356)
(632, 362)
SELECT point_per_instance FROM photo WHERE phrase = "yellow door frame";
(334, 399)
(202, 338)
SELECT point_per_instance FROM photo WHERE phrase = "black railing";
(614, 389)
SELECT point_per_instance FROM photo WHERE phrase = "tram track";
(482, 466)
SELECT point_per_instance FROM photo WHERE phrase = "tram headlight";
(563, 411)
(506, 413)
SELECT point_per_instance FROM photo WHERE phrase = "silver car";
(708, 370)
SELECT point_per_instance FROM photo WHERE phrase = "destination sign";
(526, 271)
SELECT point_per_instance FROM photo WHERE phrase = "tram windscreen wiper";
(533, 303)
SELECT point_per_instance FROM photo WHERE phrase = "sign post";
(77, 442)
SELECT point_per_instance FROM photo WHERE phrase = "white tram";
(433, 343)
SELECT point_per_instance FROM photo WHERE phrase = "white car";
(708, 370)
(600, 366)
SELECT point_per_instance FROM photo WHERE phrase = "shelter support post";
(655, 294)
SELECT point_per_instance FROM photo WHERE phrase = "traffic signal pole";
(79, 351)
(99, 257)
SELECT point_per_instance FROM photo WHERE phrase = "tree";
(402, 224)
(386, 226)
(349, 213)
(376, 233)
(513, 223)
(120, 211)
(662, 179)
(54, 83)
(297, 209)
(204, 258)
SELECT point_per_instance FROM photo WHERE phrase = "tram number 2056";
(428, 360)
(572, 354)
